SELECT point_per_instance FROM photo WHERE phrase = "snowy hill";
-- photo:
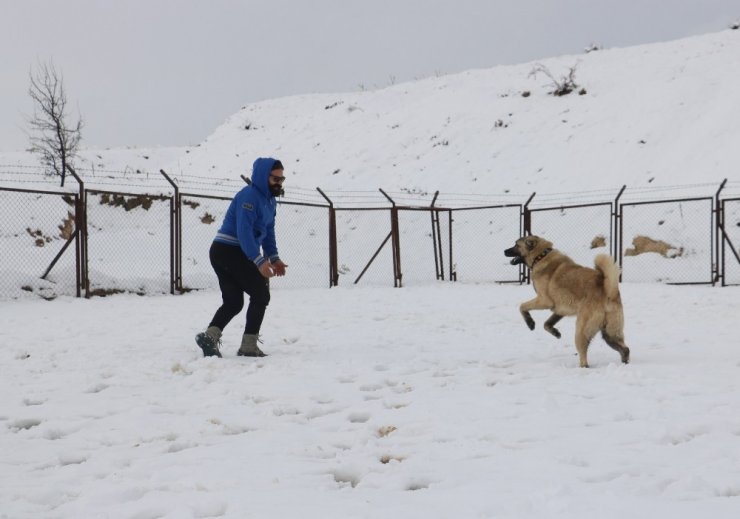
(95, 162)
(664, 114)
(659, 114)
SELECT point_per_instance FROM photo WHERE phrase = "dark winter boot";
(209, 341)
(249, 347)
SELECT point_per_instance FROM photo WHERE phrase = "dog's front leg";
(533, 304)
(550, 325)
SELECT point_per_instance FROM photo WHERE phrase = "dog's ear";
(530, 243)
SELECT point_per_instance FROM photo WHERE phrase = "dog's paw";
(555, 332)
(530, 322)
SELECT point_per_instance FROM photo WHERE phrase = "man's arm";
(246, 216)
(271, 251)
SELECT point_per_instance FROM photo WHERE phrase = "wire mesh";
(580, 232)
(416, 246)
(731, 218)
(479, 238)
(669, 242)
(201, 217)
(364, 247)
(34, 228)
(130, 240)
(302, 235)
(129, 244)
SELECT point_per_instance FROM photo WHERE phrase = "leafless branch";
(53, 139)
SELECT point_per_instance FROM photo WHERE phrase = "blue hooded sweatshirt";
(250, 220)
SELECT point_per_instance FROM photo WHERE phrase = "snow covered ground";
(426, 401)
(429, 401)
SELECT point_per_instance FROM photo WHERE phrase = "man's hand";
(266, 270)
(279, 268)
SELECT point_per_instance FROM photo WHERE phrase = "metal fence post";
(81, 245)
(395, 242)
(718, 265)
(526, 228)
(333, 253)
(617, 236)
(453, 271)
(436, 239)
(175, 236)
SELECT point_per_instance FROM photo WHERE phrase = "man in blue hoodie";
(244, 256)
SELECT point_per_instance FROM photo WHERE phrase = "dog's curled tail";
(609, 268)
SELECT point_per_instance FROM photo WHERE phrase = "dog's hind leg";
(550, 325)
(613, 333)
(618, 344)
(585, 331)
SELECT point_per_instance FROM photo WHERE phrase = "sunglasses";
(277, 179)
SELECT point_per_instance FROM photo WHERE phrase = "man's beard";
(277, 190)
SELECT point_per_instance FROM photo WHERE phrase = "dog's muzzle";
(514, 252)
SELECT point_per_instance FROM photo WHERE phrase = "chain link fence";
(364, 247)
(479, 238)
(132, 257)
(416, 246)
(730, 241)
(581, 231)
(201, 215)
(136, 232)
(668, 241)
(36, 229)
(302, 233)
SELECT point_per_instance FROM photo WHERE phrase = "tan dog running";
(566, 288)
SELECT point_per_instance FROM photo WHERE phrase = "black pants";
(237, 275)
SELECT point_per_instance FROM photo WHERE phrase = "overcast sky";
(168, 72)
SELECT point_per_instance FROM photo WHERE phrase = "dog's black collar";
(540, 256)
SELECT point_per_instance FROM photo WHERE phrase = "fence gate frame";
(160, 197)
(724, 240)
(714, 272)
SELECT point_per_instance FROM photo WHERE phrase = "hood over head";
(261, 170)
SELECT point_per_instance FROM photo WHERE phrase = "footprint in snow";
(358, 417)
(370, 387)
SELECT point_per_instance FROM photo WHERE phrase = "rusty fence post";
(526, 227)
(83, 283)
(616, 225)
(175, 236)
(395, 242)
(333, 252)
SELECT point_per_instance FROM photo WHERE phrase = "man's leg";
(232, 296)
(226, 264)
(259, 297)
(258, 288)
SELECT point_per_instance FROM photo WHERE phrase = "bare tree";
(53, 138)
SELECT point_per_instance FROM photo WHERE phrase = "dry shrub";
(67, 228)
(643, 244)
(103, 292)
(132, 202)
(598, 241)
